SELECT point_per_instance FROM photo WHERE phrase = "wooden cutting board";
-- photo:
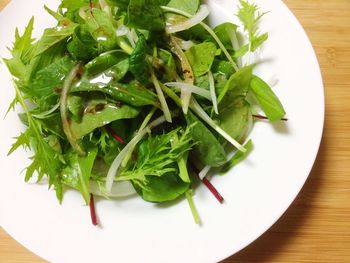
(316, 228)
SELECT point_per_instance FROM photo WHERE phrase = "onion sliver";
(204, 116)
(161, 98)
(203, 173)
(64, 110)
(202, 13)
(119, 189)
(190, 89)
(113, 170)
(212, 92)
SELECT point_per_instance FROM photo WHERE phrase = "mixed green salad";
(126, 96)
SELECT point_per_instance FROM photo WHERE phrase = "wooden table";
(316, 228)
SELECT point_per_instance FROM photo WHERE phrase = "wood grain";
(316, 228)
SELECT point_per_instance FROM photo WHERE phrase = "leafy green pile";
(139, 91)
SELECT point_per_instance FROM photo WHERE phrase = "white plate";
(257, 192)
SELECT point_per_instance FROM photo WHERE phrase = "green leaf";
(52, 36)
(138, 65)
(77, 173)
(105, 61)
(256, 42)
(21, 141)
(237, 158)
(155, 175)
(237, 85)
(201, 57)
(93, 120)
(54, 14)
(48, 79)
(267, 99)
(101, 27)
(42, 61)
(83, 46)
(250, 16)
(190, 7)
(145, 14)
(224, 32)
(163, 189)
(133, 93)
(235, 117)
(17, 64)
(71, 5)
(207, 149)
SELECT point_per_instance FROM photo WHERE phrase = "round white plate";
(257, 192)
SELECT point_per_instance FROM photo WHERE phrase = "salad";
(138, 96)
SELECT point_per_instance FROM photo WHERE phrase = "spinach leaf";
(121, 4)
(237, 85)
(145, 14)
(207, 149)
(102, 29)
(72, 5)
(201, 57)
(237, 158)
(52, 36)
(223, 67)
(155, 173)
(105, 61)
(224, 32)
(190, 7)
(92, 120)
(235, 117)
(83, 46)
(44, 87)
(133, 93)
(138, 65)
(78, 172)
(162, 189)
(267, 99)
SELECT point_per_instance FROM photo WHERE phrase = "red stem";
(115, 136)
(212, 189)
(92, 210)
(265, 118)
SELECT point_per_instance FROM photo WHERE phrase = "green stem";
(193, 207)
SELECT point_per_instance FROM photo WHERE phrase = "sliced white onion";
(208, 29)
(161, 98)
(43, 115)
(212, 92)
(203, 173)
(186, 67)
(190, 89)
(103, 4)
(134, 36)
(64, 110)
(113, 170)
(235, 44)
(125, 31)
(122, 31)
(204, 116)
(119, 189)
(202, 13)
(186, 45)
(82, 12)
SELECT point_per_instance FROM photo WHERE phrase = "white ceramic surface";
(257, 192)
